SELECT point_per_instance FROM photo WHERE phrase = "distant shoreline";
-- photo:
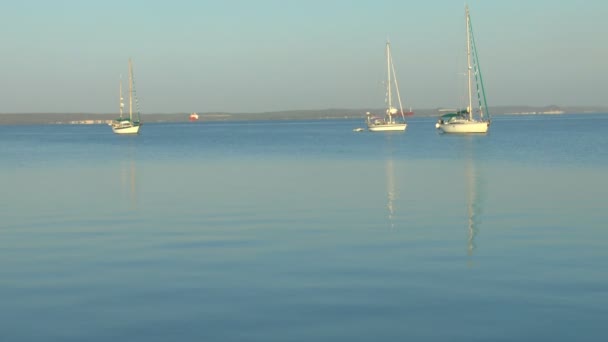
(99, 118)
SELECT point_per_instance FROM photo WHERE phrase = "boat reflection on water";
(473, 198)
(390, 191)
(391, 188)
(128, 183)
(471, 209)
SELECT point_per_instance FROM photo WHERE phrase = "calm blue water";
(305, 231)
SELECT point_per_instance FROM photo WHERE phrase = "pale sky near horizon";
(268, 55)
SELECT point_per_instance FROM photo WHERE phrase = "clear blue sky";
(266, 55)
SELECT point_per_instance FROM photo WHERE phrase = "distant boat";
(193, 117)
(123, 125)
(389, 122)
(462, 121)
(358, 129)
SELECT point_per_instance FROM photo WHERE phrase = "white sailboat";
(127, 125)
(389, 122)
(463, 121)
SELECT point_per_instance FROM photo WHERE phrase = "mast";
(130, 91)
(121, 104)
(388, 83)
(469, 67)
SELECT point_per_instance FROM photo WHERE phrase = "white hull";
(464, 126)
(388, 127)
(126, 130)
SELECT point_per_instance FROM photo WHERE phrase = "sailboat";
(389, 122)
(124, 125)
(463, 121)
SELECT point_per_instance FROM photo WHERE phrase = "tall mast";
(469, 67)
(130, 91)
(121, 104)
(388, 85)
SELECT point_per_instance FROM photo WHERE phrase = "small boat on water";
(127, 125)
(193, 117)
(358, 129)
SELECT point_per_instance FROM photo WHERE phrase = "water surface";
(305, 231)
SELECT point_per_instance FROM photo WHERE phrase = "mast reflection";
(390, 190)
(473, 200)
(129, 182)
(471, 203)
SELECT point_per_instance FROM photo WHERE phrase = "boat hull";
(126, 130)
(464, 127)
(387, 127)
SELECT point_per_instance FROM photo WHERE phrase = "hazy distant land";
(100, 118)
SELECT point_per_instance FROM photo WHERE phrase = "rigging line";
(397, 87)
(136, 99)
(476, 73)
(483, 91)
